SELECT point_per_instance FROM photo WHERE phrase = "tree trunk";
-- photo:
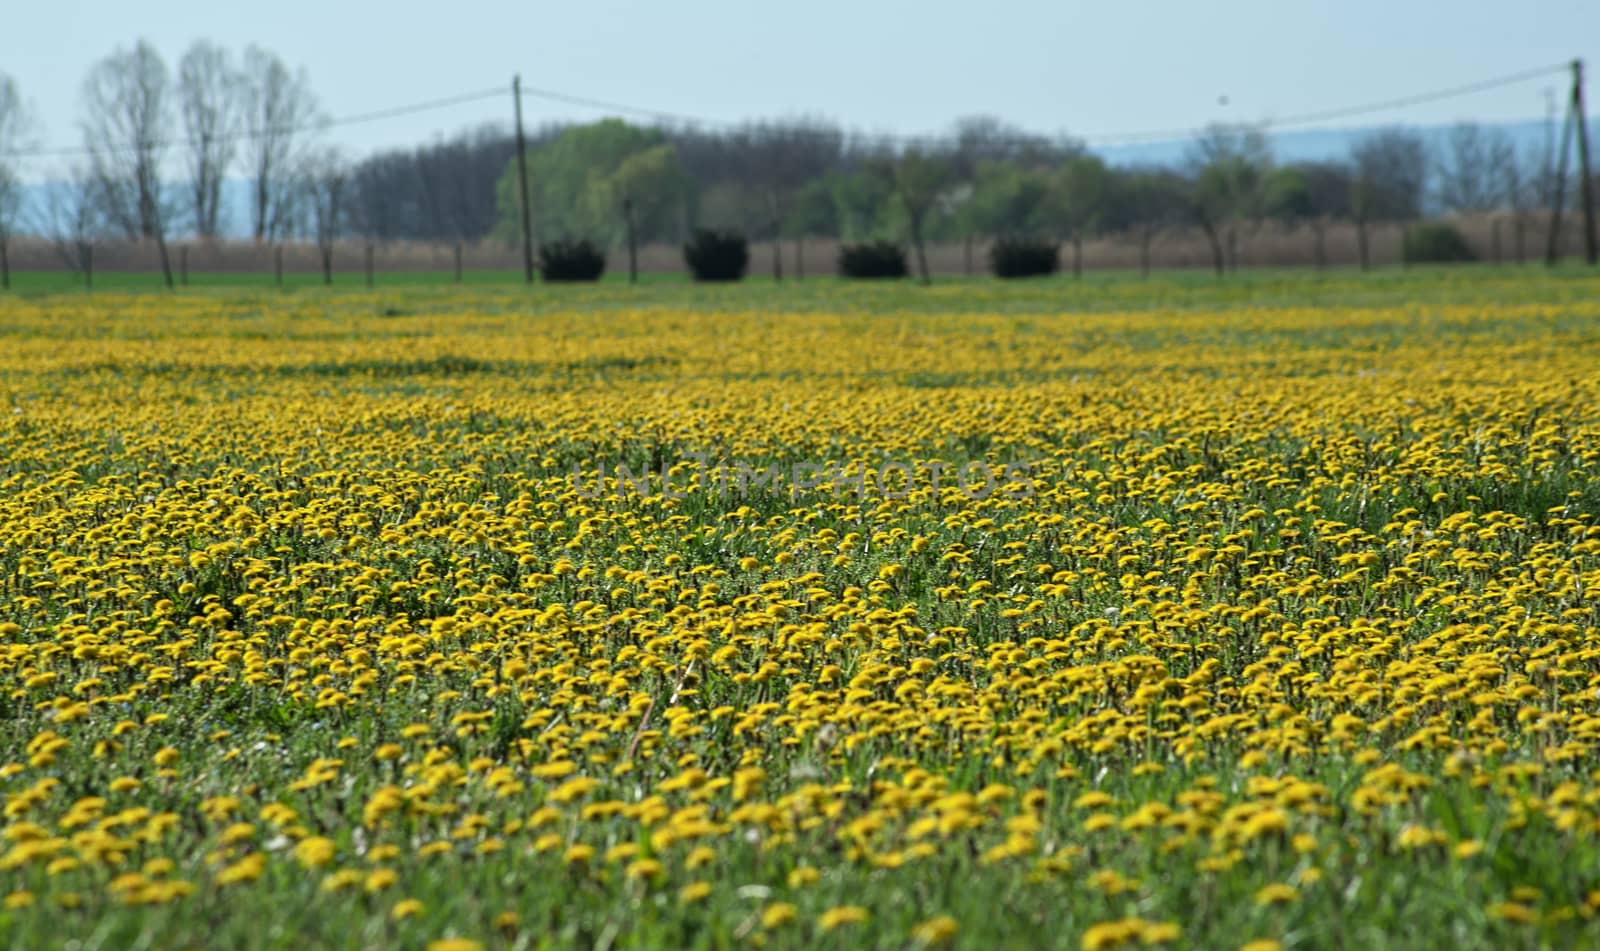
(777, 235)
(1363, 252)
(166, 260)
(1218, 259)
(327, 264)
(1233, 250)
(922, 252)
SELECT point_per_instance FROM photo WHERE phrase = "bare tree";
(1474, 169)
(16, 131)
(1391, 174)
(1229, 164)
(126, 127)
(281, 114)
(72, 218)
(209, 95)
(324, 180)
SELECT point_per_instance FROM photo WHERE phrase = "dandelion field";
(1263, 617)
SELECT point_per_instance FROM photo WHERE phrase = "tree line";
(798, 179)
(159, 142)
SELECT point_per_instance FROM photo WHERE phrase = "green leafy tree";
(564, 176)
(1007, 199)
(652, 180)
(863, 202)
(921, 178)
(1080, 193)
(1150, 201)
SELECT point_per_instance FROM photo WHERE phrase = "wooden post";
(277, 265)
(633, 241)
(1585, 186)
(1552, 250)
(369, 265)
(183, 264)
(166, 259)
(522, 185)
(777, 234)
(458, 262)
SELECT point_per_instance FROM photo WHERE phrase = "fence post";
(633, 241)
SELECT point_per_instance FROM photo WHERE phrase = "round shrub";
(569, 260)
(1024, 257)
(873, 259)
(717, 255)
(1435, 242)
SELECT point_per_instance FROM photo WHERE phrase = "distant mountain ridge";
(1310, 145)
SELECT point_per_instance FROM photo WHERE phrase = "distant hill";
(1319, 144)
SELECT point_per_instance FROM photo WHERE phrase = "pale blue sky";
(1085, 68)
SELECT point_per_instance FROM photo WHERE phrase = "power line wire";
(889, 140)
(1114, 138)
(315, 126)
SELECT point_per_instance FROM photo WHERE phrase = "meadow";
(1116, 614)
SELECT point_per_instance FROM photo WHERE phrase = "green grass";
(1102, 290)
(401, 456)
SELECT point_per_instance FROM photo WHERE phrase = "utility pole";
(522, 184)
(1552, 251)
(1585, 186)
